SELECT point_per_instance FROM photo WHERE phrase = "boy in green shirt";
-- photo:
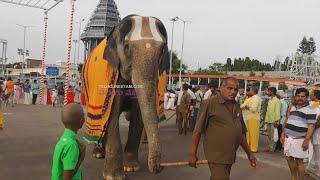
(69, 152)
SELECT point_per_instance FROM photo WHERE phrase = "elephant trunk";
(146, 95)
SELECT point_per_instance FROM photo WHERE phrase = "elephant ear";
(115, 40)
(164, 61)
(110, 52)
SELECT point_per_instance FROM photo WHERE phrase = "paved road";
(27, 143)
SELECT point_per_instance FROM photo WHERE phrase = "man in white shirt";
(208, 92)
(193, 96)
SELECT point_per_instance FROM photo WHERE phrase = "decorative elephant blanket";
(99, 80)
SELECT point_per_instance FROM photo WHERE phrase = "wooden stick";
(181, 164)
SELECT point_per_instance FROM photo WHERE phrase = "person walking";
(183, 110)
(77, 93)
(208, 92)
(35, 88)
(18, 94)
(272, 119)
(283, 115)
(60, 94)
(241, 96)
(171, 99)
(199, 99)
(9, 91)
(221, 122)
(27, 94)
(314, 163)
(251, 115)
(297, 133)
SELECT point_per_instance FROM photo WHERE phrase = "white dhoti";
(27, 98)
(293, 148)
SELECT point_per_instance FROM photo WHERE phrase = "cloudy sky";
(220, 29)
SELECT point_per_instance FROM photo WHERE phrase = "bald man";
(69, 153)
(221, 122)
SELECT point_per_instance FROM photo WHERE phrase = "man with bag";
(272, 119)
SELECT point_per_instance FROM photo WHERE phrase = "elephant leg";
(113, 166)
(131, 162)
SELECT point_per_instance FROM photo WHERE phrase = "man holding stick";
(221, 121)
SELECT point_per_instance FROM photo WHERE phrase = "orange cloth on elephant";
(98, 76)
(83, 99)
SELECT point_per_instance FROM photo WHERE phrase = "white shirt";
(207, 95)
(193, 96)
(199, 96)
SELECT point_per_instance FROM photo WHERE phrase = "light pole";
(79, 40)
(74, 57)
(173, 19)
(23, 52)
(182, 48)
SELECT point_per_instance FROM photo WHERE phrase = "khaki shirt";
(222, 128)
(185, 102)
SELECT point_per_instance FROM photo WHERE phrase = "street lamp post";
(173, 19)
(79, 39)
(24, 52)
(74, 57)
(182, 48)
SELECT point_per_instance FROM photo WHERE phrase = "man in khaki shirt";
(221, 121)
(183, 110)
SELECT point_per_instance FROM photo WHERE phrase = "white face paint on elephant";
(137, 33)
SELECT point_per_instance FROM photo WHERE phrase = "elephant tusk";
(182, 164)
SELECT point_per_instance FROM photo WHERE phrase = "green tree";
(307, 46)
(252, 73)
(229, 65)
(176, 64)
(312, 46)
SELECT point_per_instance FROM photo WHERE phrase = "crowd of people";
(290, 123)
(26, 92)
(228, 118)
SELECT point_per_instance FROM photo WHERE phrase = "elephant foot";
(130, 163)
(112, 177)
(98, 152)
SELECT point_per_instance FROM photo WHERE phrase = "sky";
(260, 29)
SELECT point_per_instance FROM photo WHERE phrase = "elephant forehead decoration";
(144, 29)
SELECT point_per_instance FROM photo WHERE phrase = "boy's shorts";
(293, 148)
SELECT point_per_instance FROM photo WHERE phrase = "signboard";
(52, 71)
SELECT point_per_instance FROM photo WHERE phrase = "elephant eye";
(126, 49)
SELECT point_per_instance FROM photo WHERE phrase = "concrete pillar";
(219, 83)
(260, 87)
(277, 86)
(208, 80)
(198, 81)
(245, 86)
(189, 80)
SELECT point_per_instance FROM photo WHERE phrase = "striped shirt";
(299, 119)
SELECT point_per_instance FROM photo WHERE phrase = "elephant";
(137, 48)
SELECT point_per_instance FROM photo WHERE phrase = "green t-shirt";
(66, 156)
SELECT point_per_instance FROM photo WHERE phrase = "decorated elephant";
(127, 73)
